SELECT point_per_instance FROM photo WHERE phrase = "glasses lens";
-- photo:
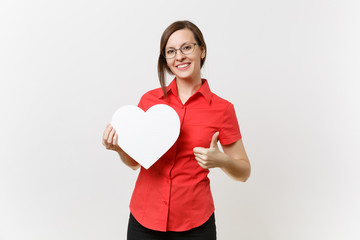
(170, 53)
(187, 48)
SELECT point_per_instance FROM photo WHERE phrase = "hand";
(110, 138)
(210, 157)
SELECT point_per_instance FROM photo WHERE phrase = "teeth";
(184, 65)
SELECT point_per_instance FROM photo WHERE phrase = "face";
(185, 67)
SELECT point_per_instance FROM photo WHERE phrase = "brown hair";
(178, 25)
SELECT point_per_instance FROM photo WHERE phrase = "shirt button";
(165, 202)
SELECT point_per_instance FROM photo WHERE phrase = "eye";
(170, 51)
(187, 47)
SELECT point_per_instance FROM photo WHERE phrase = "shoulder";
(219, 101)
(150, 98)
(151, 94)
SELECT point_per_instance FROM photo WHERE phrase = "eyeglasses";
(186, 48)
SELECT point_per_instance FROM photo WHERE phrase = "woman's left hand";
(210, 157)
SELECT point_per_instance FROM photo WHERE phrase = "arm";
(233, 161)
(109, 140)
(236, 163)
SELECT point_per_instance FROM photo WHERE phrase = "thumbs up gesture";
(209, 157)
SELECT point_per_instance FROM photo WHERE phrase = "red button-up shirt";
(174, 193)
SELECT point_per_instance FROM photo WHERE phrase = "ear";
(203, 54)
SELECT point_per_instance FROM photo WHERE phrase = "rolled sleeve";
(230, 130)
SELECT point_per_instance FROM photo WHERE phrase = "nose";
(179, 55)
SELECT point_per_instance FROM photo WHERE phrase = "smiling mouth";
(183, 66)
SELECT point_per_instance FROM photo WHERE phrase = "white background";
(291, 68)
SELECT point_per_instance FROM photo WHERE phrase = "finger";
(104, 142)
(115, 139)
(108, 127)
(201, 156)
(107, 131)
(105, 137)
(111, 135)
(214, 140)
(200, 150)
(200, 160)
(201, 163)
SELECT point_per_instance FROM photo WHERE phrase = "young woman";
(172, 199)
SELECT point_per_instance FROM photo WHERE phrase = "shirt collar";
(204, 90)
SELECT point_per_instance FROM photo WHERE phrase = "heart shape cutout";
(146, 136)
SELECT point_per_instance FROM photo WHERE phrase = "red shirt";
(174, 193)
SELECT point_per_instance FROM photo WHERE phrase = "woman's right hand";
(110, 142)
(110, 138)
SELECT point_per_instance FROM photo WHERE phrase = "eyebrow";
(180, 45)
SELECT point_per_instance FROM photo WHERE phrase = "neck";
(186, 87)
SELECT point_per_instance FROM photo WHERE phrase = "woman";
(172, 199)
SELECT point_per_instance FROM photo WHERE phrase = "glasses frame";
(176, 50)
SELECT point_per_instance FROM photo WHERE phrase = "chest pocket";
(201, 135)
(199, 125)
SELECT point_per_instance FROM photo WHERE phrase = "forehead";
(179, 37)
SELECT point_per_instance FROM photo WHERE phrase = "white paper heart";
(146, 136)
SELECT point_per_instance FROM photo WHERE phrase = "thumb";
(214, 140)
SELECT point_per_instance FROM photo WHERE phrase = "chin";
(185, 77)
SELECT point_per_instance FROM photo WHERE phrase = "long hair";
(178, 25)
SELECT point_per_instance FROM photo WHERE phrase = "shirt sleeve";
(143, 103)
(230, 131)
